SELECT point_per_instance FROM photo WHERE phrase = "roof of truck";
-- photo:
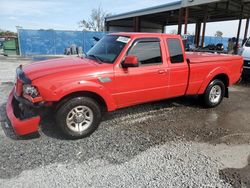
(131, 34)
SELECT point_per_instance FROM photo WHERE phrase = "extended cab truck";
(121, 70)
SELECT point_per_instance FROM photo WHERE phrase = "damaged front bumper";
(21, 124)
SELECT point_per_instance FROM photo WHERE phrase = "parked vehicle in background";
(244, 51)
(190, 46)
(212, 48)
(121, 70)
(220, 47)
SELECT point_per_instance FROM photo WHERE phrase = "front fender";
(215, 72)
(87, 86)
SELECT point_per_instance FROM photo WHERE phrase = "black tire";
(209, 103)
(64, 110)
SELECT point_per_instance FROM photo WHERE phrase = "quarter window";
(175, 51)
(148, 52)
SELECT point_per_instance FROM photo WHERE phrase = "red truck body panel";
(204, 67)
(121, 87)
(21, 127)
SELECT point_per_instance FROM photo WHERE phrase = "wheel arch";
(100, 100)
(90, 89)
(221, 74)
(223, 77)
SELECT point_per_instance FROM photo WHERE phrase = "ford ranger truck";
(121, 70)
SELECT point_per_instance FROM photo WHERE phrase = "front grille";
(246, 63)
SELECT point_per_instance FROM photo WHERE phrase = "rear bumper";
(20, 126)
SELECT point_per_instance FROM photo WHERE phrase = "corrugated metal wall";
(211, 40)
(54, 42)
(216, 40)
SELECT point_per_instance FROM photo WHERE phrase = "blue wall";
(215, 40)
(54, 42)
(212, 40)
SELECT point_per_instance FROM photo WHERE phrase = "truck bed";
(204, 64)
(202, 57)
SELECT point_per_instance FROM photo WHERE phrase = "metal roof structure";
(147, 11)
(154, 19)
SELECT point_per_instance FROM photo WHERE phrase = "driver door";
(148, 81)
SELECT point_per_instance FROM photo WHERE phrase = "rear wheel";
(79, 117)
(214, 94)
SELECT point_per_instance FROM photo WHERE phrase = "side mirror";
(130, 61)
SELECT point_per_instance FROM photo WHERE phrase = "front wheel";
(79, 117)
(214, 94)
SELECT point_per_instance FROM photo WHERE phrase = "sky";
(66, 14)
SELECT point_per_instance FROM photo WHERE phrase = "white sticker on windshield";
(123, 39)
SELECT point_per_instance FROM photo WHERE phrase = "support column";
(238, 33)
(180, 21)
(246, 29)
(204, 28)
(197, 33)
(239, 28)
(136, 24)
(107, 26)
(238, 37)
(186, 20)
(163, 28)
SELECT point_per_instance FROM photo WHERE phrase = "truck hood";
(48, 67)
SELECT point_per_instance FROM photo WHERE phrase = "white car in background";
(245, 53)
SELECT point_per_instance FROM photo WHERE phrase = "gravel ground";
(172, 143)
(176, 164)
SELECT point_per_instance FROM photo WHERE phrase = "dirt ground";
(152, 142)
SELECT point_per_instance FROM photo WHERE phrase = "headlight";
(30, 90)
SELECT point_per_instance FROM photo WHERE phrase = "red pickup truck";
(122, 69)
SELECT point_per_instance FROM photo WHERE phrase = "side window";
(175, 51)
(148, 52)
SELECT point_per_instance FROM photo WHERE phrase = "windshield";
(108, 48)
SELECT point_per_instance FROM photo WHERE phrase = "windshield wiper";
(97, 58)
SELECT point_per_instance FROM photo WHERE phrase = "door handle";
(161, 71)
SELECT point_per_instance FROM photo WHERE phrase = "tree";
(218, 34)
(96, 22)
(4, 33)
